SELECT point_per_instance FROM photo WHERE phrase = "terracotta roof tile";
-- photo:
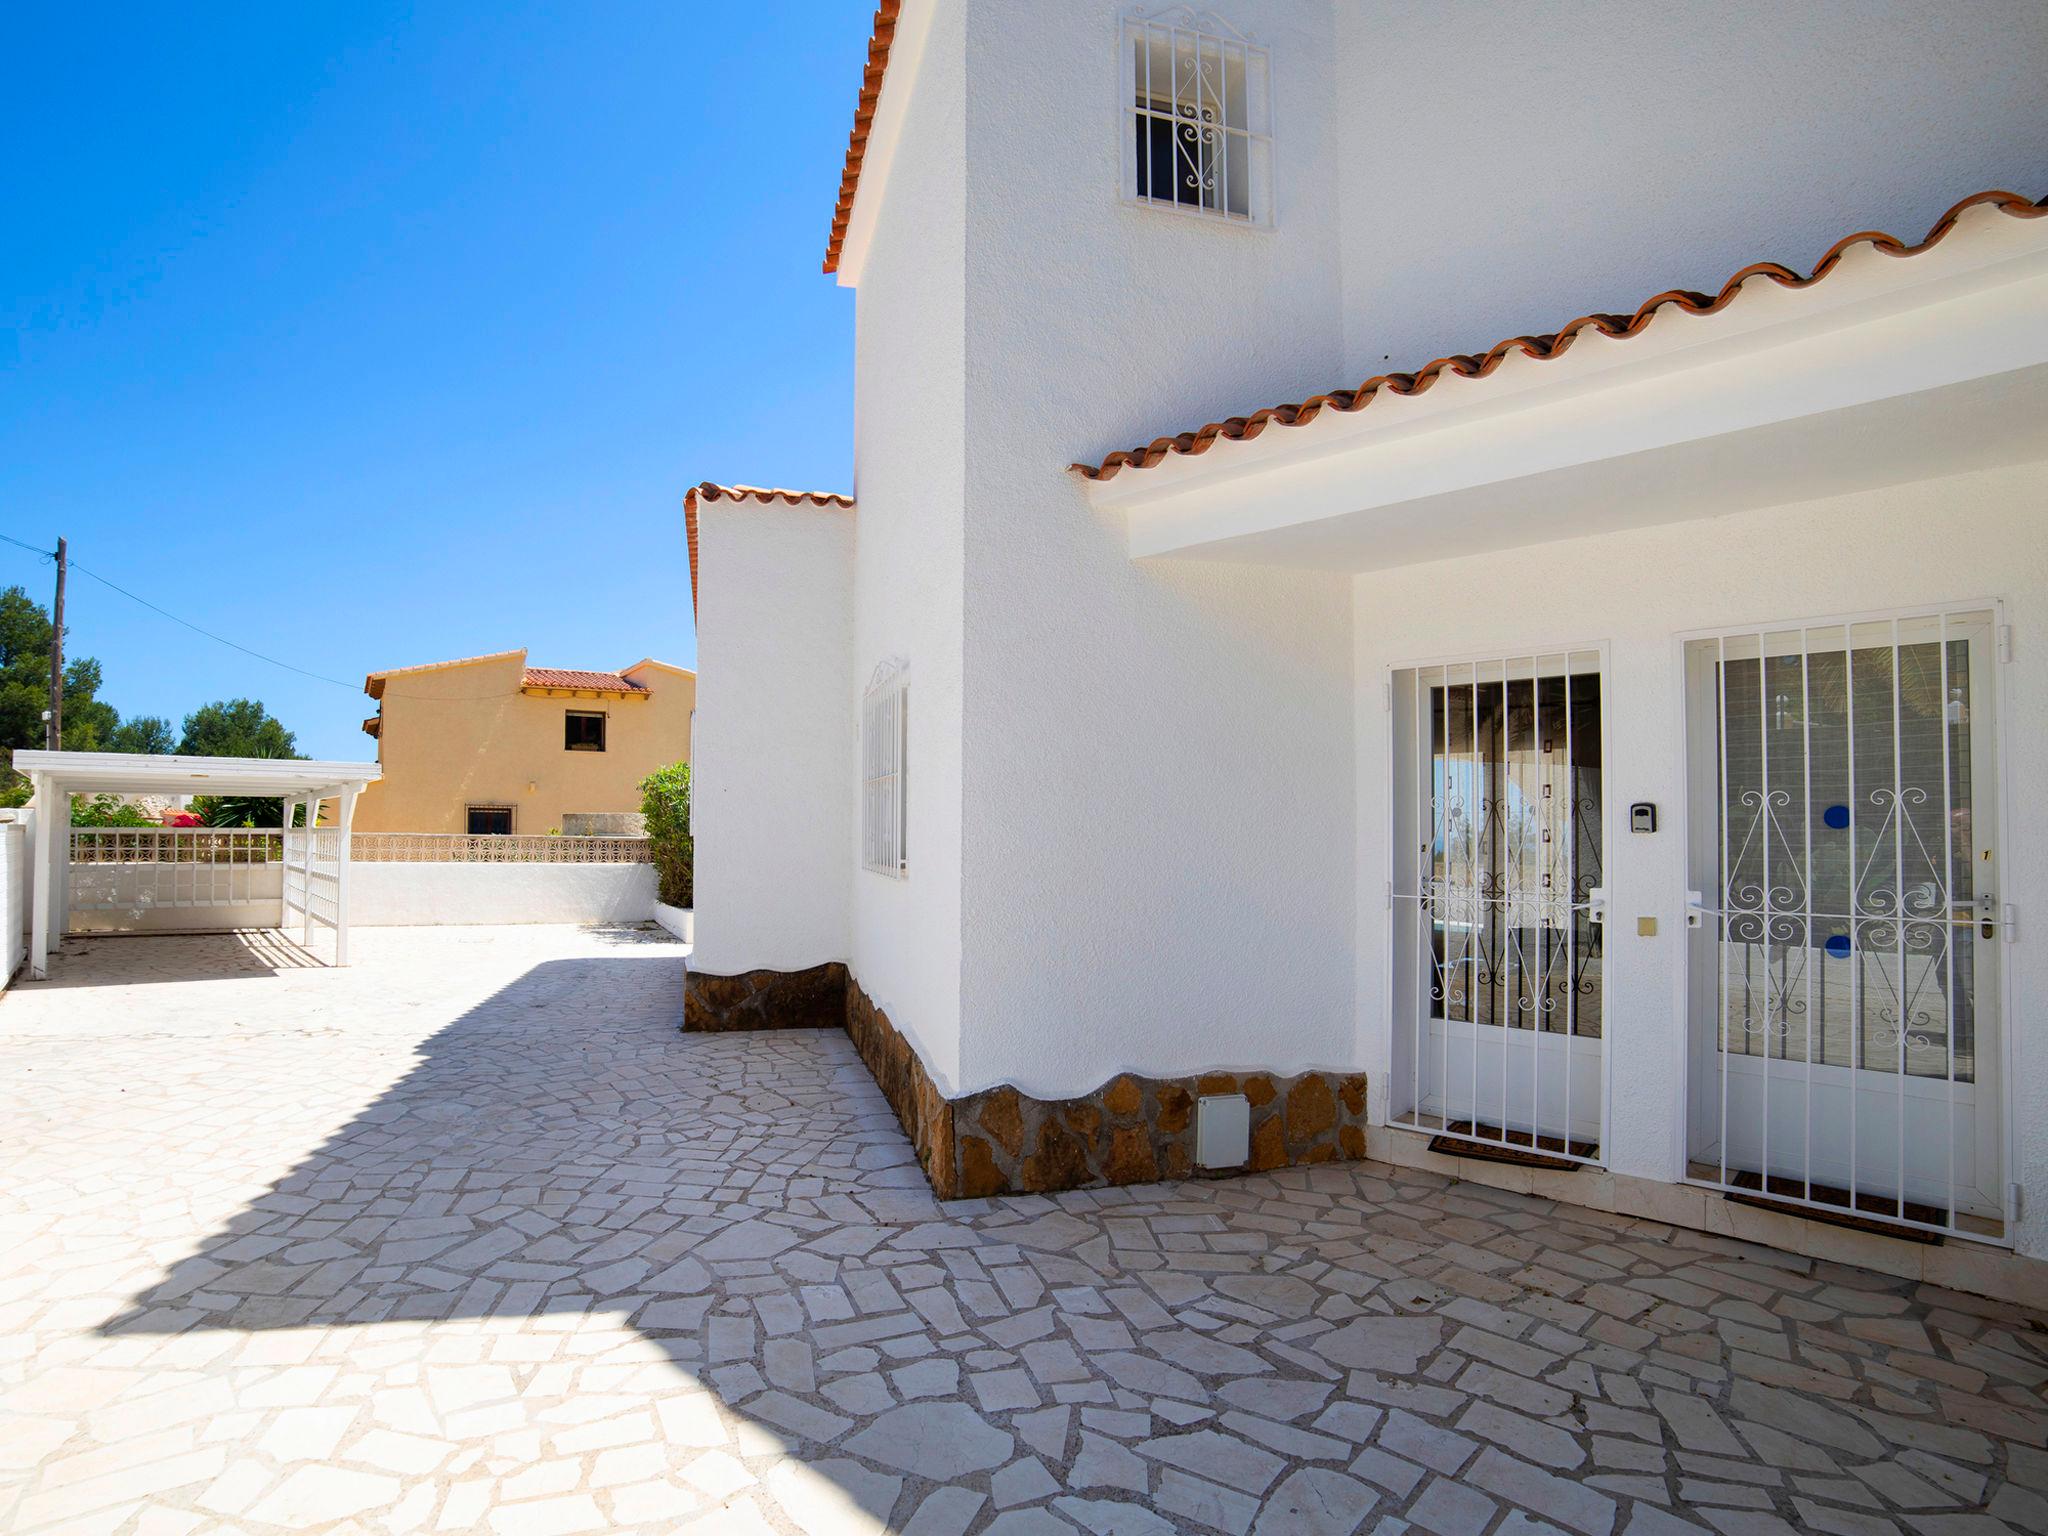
(1465, 365)
(564, 677)
(373, 685)
(711, 492)
(879, 41)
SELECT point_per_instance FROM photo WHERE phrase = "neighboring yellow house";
(488, 744)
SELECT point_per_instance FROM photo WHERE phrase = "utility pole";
(57, 659)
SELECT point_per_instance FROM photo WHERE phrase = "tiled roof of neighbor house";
(1465, 365)
(373, 685)
(710, 492)
(879, 41)
(565, 677)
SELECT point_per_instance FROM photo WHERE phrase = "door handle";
(1596, 905)
(1695, 910)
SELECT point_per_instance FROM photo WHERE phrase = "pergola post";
(312, 814)
(284, 866)
(346, 807)
(39, 886)
(60, 864)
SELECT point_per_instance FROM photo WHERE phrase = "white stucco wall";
(144, 900)
(909, 419)
(1142, 853)
(1159, 755)
(15, 854)
(1943, 541)
(771, 799)
(1623, 147)
(398, 895)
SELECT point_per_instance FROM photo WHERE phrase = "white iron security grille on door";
(1845, 922)
(1499, 839)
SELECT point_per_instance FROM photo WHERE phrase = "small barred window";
(884, 757)
(1199, 133)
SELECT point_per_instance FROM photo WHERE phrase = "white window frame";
(885, 771)
(1210, 42)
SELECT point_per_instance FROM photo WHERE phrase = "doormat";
(1768, 1199)
(1519, 1149)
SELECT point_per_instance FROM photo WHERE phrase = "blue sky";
(368, 334)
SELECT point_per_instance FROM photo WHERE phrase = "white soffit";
(136, 773)
(1891, 369)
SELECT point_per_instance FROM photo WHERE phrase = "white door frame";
(1391, 768)
(2001, 799)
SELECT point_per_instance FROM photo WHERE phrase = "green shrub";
(107, 811)
(665, 802)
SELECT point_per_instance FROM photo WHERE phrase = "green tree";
(145, 733)
(242, 811)
(235, 728)
(25, 635)
(665, 802)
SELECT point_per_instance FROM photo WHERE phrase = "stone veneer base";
(1131, 1130)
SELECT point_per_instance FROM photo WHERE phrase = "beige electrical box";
(1646, 927)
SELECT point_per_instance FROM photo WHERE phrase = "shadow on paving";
(1315, 1351)
(536, 1176)
(124, 959)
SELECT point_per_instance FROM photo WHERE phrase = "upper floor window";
(583, 730)
(884, 776)
(1199, 137)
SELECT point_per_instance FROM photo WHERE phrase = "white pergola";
(57, 776)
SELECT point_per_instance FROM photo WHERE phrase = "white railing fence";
(457, 848)
(115, 869)
(202, 879)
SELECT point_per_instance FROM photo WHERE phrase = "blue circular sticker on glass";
(1838, 946)
(1836, 816)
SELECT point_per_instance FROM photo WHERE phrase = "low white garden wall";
(679, 921)
(15, 853)
(394, 895)
(163, 898)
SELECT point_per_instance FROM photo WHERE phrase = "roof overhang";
(895, 52)
(373, 685)
(135, 773)
(756, 495)
(1892, 369)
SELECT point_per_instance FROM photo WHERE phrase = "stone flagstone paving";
(469, 1238)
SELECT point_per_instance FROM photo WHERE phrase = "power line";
(166, 613)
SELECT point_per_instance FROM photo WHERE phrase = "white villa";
(1423, 582)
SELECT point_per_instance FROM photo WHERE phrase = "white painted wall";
(15, 853)
(401, 895)
(771, 796)
(1159, 754)
(1954, 540)
(1620, 147)
(680, 922)
(1144, 854)
(143, 898)
(909, 420)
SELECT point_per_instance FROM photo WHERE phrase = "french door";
(1499, 839)
(1845, 1038)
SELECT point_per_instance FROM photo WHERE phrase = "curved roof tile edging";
(711, 491)
(1468, 366)
(879, 42)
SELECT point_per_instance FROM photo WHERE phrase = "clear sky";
(369, 334)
